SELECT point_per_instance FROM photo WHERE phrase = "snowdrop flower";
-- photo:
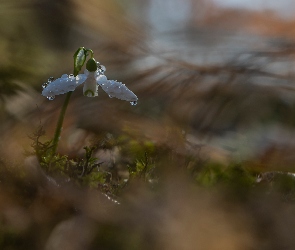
(92, 78)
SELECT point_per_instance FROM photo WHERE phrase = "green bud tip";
(91, 65)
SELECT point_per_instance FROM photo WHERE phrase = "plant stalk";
(79, 60)
(59, 124)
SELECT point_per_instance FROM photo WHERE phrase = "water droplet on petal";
(133, 103)
(101, 68)
(110, 96)
(50, 79)
(44, 85)
(71, 75)
(50, 98)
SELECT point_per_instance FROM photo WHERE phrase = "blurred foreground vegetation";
(204, 161)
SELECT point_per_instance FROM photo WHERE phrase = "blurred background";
(220, 72)
(215, 82)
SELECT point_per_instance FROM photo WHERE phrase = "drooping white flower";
(91, 80)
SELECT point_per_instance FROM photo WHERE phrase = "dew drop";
(133, 103)
(50, 98)
(44, 85)
(110, 96)
(71, 75)
(102, 68)
(50, 79)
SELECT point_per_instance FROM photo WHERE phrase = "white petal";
(81, 78)
(116, 89)
(90, 86)
(101, 79)
(63, 85)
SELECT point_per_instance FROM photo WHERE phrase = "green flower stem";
(59, 124)
(79, 60)
(91, 52)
